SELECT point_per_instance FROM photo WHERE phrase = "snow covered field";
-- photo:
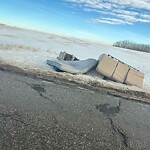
(25, 48)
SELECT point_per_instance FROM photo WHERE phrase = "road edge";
(66, 78)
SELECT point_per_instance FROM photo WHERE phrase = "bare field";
(30, 49)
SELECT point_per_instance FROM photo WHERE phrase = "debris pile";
(66, 56)
(106, 65)
(118, 71)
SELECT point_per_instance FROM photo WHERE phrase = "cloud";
(116, 12)
(111, 21)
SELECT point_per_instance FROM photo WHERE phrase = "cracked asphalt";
(40, 115)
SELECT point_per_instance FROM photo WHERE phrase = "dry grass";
(17, 47)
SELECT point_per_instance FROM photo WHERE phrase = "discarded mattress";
(75, 67)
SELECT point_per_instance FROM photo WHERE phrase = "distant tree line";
(133, 46)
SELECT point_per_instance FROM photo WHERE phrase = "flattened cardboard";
(106, 66)
(120, 73)
(135, 78)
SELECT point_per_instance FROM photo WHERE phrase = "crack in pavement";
(56, 127)
(11, 116)
(113, 111)
(120, 132)
(34, 127)
(40, 90)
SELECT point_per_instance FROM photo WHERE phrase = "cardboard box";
(135, 78)
(120, 73)
(106, 65)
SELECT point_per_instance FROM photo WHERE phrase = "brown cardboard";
(135, 78)
(106, 65)
(120, 72)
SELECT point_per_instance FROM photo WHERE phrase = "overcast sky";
(103, 20)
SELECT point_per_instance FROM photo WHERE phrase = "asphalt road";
(40, 115)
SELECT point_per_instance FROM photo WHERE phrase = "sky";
(98, 20)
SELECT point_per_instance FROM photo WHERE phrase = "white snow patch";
(25, 48)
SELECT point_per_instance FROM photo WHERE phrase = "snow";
(26, 48)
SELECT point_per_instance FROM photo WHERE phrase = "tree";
(133, 46)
